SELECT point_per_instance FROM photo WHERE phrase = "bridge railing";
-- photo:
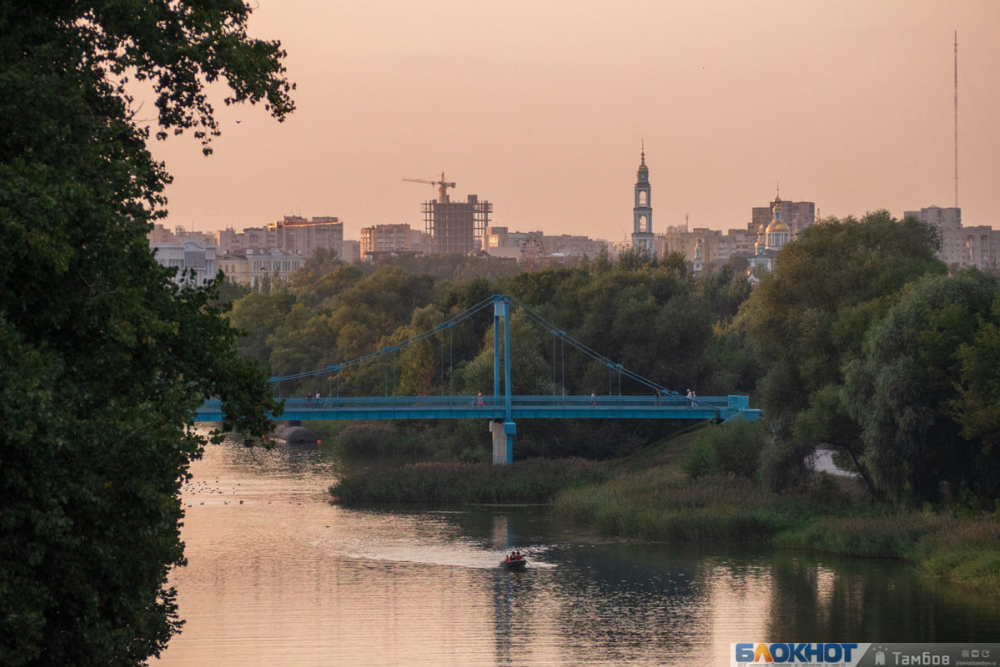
(519, 401)
(463, 401)
(463, 405)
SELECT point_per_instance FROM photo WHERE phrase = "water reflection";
(287, 578)
(872, 601)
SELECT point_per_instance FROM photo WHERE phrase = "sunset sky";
(541, 106)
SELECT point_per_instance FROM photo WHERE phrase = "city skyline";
(543, 110)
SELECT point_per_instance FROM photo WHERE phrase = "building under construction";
(453, 227)
(456, 226)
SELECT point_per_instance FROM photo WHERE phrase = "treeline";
(860, 341)
(869, 347)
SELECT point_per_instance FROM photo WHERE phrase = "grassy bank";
(659, 499)
(963, 550)
(532, 481)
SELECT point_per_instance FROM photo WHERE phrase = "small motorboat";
(514, 565)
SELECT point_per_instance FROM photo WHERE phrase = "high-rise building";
(977, 245)
(534, 248)
(717, 247)
(941, 218)
(293, 234)
(395, 238)
(159, 234)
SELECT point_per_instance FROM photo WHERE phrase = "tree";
(901, 389)
(257, 316)
(977, 407)
(809, 317)
(102, 358)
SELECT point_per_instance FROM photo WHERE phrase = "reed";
(664, 504)
(531, 481)
(964, 550)
(880, 534)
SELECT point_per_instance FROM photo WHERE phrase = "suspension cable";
(457, 319)
(541, 321)
(563, 347)
(553, 363)
(461, 317)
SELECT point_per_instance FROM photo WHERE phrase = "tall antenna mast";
(956, 119)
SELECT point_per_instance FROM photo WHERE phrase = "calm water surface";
(279, 576)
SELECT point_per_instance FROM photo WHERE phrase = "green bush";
(727, 449)
(700, 460)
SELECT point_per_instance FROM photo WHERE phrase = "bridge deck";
(522, 407)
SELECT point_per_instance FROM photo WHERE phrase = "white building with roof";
(260, 269)
(188, 257)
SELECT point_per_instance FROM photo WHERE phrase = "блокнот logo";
(808, 654)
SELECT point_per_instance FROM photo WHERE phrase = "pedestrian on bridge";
(479, 398)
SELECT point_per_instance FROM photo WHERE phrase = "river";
(277, 575)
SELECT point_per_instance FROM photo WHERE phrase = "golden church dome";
(777, 226)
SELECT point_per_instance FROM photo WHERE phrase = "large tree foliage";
(977, 406)
(900, 389)
(810, 316)
(102, 358)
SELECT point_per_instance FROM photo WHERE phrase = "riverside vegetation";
(703, 487)
(860, 342)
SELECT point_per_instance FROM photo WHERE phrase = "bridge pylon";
(503, 432)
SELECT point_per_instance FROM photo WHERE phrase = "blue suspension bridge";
(501, 409)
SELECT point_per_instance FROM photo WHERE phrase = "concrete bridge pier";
(503, 441)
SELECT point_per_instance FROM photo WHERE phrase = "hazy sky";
(540, 107)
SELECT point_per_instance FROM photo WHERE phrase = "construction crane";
(443, 186)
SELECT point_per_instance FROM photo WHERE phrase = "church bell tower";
(642, 212)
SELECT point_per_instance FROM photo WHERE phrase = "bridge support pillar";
(503, 441)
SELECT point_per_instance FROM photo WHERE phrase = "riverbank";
(668, 493)
(654, 498)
